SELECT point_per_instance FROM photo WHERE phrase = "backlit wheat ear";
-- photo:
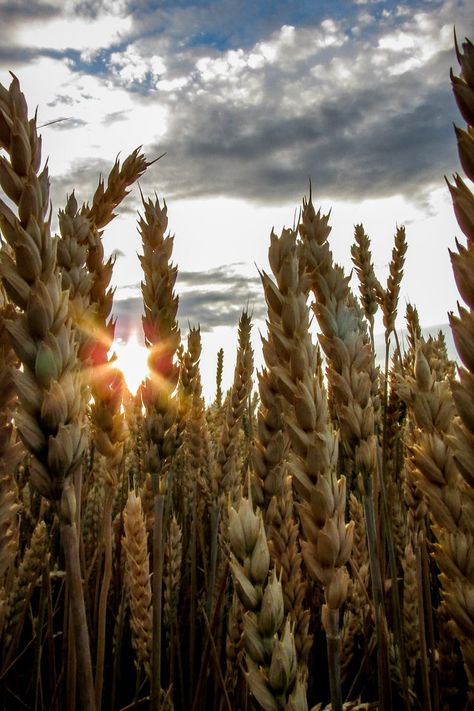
(10, 454)
(73, 243)
(462, 326)
(463, 268)
(9, 507)
(388, 299)
(137, 580)
(172, 575)
(272, 490)
(370, 288)
(106, 199)
(109, 425)
(28, 573)
(50, 419)
(219, 371)
(194, 424)
(410, 612)
(268, 638)
(285, 551)
(228, 471)
(353, 381)
(42, 337)
(270, 447)
(314, 447)
(357, 607)
(162, 336)
(432, 409)
(342, 344)
(235, 650)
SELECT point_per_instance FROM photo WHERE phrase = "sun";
(132, 361)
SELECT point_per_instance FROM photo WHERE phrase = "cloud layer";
(252, 104)
(210, 298)
(247, 103)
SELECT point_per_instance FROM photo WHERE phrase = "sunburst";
(132, 359)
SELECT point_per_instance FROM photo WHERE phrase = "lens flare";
(132, 361)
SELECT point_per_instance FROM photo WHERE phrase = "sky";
(250, 100)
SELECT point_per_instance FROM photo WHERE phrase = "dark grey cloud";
(14, 14)
(392, 136)
(115, 117)
(12, 54)
(92, 8)
(327, 105)
(20, 10)
(210, 298)
(336, 112)
(82, 178)
(225, 275)
(211, 309)
(61, 100)
(217, 296)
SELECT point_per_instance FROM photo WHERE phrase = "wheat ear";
(10, 454)
(369, 286)
(28, 573)
(269, 642)
(162, 336)
(228, 471)
(353, 381)
(107, 198)
(462, 327)
(50, 417)
(137, 580)
(432, 409)
(219, 372)
(388, 299)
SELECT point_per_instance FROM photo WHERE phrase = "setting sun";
(132, 361)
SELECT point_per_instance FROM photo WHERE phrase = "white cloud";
(416, 39)
(131, 67)
(169, 85)
(73, 32)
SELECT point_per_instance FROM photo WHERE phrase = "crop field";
(303, 542)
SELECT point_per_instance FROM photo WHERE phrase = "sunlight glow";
(132, 360)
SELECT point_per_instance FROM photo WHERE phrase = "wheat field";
(305, 541)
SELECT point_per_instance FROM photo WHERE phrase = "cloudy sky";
(249, 100)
